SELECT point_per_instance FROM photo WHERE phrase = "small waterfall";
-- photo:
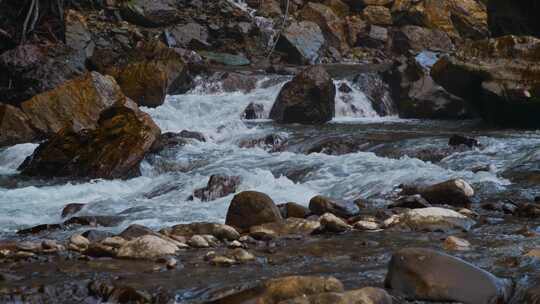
(352, 102)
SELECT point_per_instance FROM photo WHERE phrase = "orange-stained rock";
(114, 149)
(14, 126)
(75, 105)
(152, 73)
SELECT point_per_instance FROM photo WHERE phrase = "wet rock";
(74, 106)
(528, 210)
(35, 69)
(250, 208)
(91, 220)
(78, 242)
(96, 235)
(271, 143)
(113, 150)
(378, 15)
(332, 223)
(508, 96)
(254, 111)
(276, 290)
(218, 186)
(241, 255)
(302, 42)
(457, 140)
(39, 229)
(332, 26)
(134, 231)
(169, 140)
(220, 231)
(418, 96)
(320, 205)
(456, 192)
(367, 225)
(455, 243)
(308, 99)
(290, 226)
(366, 295)
(293, 210)
(430, 219)
(423, 274)
(412, 38)
(149, 13)
(147, 247)
(152, 73)
(410, 202)
(15, 126)
(198, 241)
(127, 294)
(378, 92)
(513, 18)
(71, 209)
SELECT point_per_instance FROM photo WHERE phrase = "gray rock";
(302, 42)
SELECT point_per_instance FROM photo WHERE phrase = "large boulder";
(275, 291)
(430, 219)
(514, 17)
(152, 72)
(308, 99)
(507, 96)
(34, 69)
(332, 26)
(150, 13)
(73, 106)
(458, 18)
(302, 42)
(15, 127)
(418, 96)
(250, 208)
(424, 274)
(113, 150)
(413, 38)
(455, 192)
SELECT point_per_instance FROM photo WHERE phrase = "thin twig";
(27, 19)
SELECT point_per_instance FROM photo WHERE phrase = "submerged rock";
(71, 209)
(254, 111)
(276, 290)
(218, 186)
(308, 99)
(424, 274)
(430, 219)
(113, 150)
(289, 226)
(250, 208)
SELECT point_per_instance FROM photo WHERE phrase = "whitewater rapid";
(160, 196)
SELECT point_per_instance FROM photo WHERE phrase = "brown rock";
(308, 99)
(378, 15)
(113, 150)
(293, 210)
(73, 106)
(366, 295)
(218, 186)
(250, 208)
(456, 192)
(416, 39)
(320, 205)
(470, 18)
(14, 126)
(290, 226)
(220, 231)
(331, 25)
(154, 72)
(276, 290)
(71, 209)
(423, 274)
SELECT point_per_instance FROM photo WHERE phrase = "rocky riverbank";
(269, 151)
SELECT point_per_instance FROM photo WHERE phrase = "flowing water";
(160, 196)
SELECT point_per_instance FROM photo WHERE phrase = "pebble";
(198, 241)
(455, 243)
